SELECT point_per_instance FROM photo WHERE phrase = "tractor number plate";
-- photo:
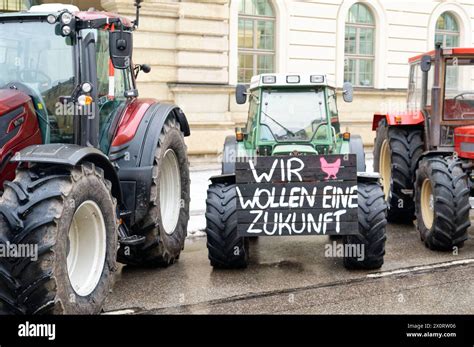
(297, 195)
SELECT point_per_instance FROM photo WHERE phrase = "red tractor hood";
(18, 129)
(11, 99)
(464, 141)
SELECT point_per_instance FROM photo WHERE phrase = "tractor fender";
(398, 119)
(429, 154)
(224, 178)
(357, 147)
(159, 115)
(229, 155)
(135, 158)
(368, 177)
(70, 155)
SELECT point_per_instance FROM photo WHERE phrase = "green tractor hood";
(291, 148)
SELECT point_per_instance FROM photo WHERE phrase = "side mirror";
(145, 68)
(121, 46)
(241, 94)
(425, 64)
(347, 92)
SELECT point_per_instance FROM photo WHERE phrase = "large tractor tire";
(442, 203)
(372, 221)
(165, 225)
(226, 249)
(70, 215)
(396, 152)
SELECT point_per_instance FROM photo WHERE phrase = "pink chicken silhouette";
(331, 169)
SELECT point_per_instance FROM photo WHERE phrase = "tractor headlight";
(269, 79)
(66, 18)
(66, 30)
(51, 19)
(293, 79)
(86, 87)
(317, 79)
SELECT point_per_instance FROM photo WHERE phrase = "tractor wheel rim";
(170, 192)
(87, 248)
(427, 203)
(386, 168)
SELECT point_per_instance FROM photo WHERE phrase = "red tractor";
(425, 155)
(91, 173)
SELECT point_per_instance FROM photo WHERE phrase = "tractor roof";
(458, 51)
(290, 80)
(46, 9)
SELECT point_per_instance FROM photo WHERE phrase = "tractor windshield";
(293, 115)
(37, 61)
(459, 91)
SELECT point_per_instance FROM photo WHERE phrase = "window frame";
(445, 33)
(255, 52)
(357, 56)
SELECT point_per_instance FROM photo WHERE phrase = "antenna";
(137, 15)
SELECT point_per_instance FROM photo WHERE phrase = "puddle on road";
(283, 264)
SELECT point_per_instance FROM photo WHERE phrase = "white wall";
(311, 35)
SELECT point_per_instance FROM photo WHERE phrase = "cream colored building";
(199, 50)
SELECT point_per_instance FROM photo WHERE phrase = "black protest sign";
(297, 195)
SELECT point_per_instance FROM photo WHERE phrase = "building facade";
(199, 50)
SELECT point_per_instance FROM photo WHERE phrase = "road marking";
(420, 268)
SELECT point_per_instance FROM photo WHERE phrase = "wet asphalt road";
(292, 275)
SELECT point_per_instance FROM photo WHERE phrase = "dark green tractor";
(291, 171)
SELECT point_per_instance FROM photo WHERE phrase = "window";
(294, 115)
(252, 118)
(15, 5)
(459, 93)
(359, 46)
(447, 30)
(110, 98)
(332, 108)
(256, 39)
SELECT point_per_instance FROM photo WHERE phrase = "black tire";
(37, 208)
(406, 147)
(226, 249)
(162, 249)
(449, 184)
(372, 222)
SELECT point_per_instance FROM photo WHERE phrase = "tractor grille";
(467, 146)
(5, 121)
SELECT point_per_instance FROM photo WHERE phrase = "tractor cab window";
(459, 89)
(252, 117)
(414, 87)
(332, 108)
(39, 62)
(294, 115)
(112, 84)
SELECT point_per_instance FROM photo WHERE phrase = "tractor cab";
(75, 67)
(292, 113)
(441, 85)
(424, 154)
(90, 173)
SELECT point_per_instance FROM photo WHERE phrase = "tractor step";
(132, 240)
